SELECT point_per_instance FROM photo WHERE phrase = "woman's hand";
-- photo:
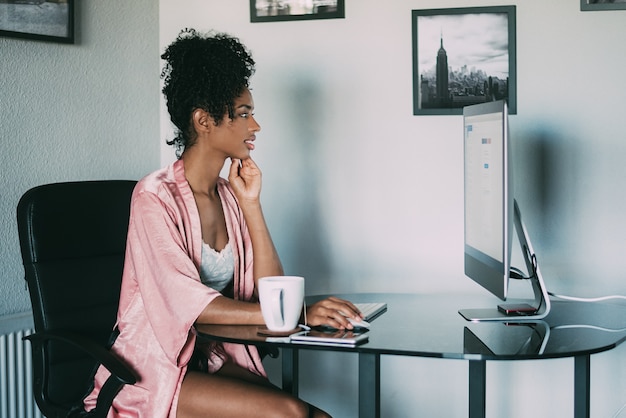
(245, 179)
(332, 312)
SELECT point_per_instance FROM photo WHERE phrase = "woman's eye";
(246, 115)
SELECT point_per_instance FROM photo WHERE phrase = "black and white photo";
(461, 57)
(51, 20)
(588, 5)
(282, 10)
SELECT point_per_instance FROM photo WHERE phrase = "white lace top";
(217, 268)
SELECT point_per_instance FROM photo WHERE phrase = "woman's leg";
(235, 392)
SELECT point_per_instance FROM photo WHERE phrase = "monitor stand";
(533, 310)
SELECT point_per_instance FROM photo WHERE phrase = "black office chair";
(72, 238)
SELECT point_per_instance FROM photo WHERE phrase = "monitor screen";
(492, 216)
(488, 196)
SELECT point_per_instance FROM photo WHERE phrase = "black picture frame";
(589, 5)
(50, 21)
(480, 59)
(284, 10)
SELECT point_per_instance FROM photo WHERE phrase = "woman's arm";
(226, 311)
(246, 183)
(332, 312)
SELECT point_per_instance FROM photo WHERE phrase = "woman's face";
(235, 137)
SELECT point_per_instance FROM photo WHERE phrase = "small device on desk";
(339, 338)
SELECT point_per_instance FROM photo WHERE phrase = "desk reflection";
(506, 338)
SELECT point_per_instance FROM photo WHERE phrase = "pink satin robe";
(162, 296)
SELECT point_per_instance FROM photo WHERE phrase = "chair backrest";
(73, 238)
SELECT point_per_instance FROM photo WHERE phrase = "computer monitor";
(491, 216)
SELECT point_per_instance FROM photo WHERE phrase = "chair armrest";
(117, 369)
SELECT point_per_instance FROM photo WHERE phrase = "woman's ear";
(202, 121)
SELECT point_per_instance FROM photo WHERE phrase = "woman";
(197, 244)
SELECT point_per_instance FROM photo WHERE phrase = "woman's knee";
(317, 413)
(298, 408)
(291, 407)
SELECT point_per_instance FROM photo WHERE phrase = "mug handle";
(277, 307)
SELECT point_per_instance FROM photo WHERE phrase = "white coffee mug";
(281, 298)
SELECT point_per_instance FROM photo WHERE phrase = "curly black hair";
(203, 71)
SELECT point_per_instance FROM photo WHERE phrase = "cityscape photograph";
(462, 59)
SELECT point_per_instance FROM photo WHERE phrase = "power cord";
(589, 327)
(577, 299)
(517, 274)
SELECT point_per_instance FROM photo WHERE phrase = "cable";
(590, 327)
(577, 299)
(517, 274)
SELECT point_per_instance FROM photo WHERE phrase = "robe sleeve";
(160, 258)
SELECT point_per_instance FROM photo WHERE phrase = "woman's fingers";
(333, 312)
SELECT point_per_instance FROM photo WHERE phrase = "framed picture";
(463, 56)
(587, 5)
(51, 20)
(282, 10)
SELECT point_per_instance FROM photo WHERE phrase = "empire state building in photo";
(442, 75)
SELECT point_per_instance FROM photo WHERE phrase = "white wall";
(76, 112)
(363, 196)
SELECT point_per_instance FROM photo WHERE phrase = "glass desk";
(430, 326)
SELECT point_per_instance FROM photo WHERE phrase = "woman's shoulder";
(155, 181)
(166, 183)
